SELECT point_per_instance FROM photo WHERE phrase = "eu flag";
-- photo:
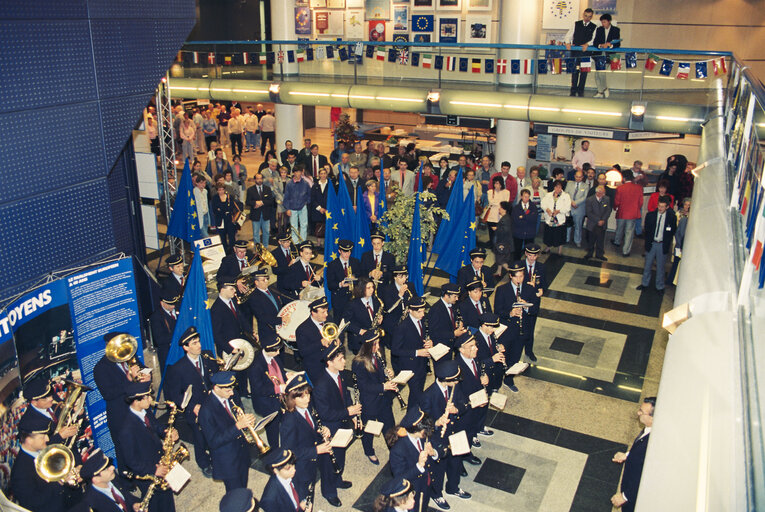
(361, 235)
(463, 64)
(515, 66)
(666, 67)
(438, 62)
(463, 237)
(453, 208)
(332, 223)
(184, 221)
(422, 23)
(193, 311)
(414, 258)
(382, 206)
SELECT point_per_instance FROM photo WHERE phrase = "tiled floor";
(600, 349)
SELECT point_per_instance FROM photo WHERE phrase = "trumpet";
(71, 408)
(55, 463)
(249, 433)
(319, 429)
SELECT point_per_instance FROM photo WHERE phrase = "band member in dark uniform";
(301, 274)
(193, 369)
(361, 313)
(105, 492)
(378, 264)
(474, 379)
(375, 390)
(238, 500)
(309, 339)
(409, 350)
(284, 258)
(176, 281)
(395, 496)
(39, 393)
(139, 445)
(225, 209)
(280, 493)
(334, 404)
(233, 264)
(412, 454)
(490, 353)
(444, 400)
(395, 296)
(228, 320)
(535, 275)
(162, 322)
(442, 317)
(229, 451)
(263, 304)
(31, 491)
(112, 380)
(473, 305)
(341, 273)
(476, 270)
(267, 379)
(516, 318)
(301, 434)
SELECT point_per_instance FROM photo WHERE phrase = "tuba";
(55, 463)
(263, 258)
(71, 408)
(122, 349)
(249, 433)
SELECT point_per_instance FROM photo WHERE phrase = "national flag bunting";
(438, 62)
(380, 53)
(359, 49)
(683, 70)
(280, 56)
(488, 66)
(616, 62)
(415, 59)
(343, 53)
(309, 54)
(666, 67)
(392, 55)
(463, 64)
(403, 57)
(195, 57)
(262, 57)
(570, 65)
(515, 66)
(370, 52)
(475, 66)
(427, 60)
(585, 65)
(651, 61)
(245, 58)
(701, 70)
(528, 66)
(630, 59)
(556, 66)
(502, 66)
(301, 55)
(330, 52)
(719, 66)
(757, 255)
(211, 58)
(600, 62)
(541, 66)
(290, 56)
(451, 63)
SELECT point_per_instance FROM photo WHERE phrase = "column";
(519, 23)
(289, 118)
(289, 125)
(512, 143)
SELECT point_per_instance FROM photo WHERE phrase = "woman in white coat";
(556, 206)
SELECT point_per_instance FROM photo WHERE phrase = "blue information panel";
(102, 300)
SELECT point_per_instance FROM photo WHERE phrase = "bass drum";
(295, 313)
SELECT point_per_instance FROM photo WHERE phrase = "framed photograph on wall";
(354, 24)
(449, 5)
(401, 17)
(400, 2)
(422, 5)
(354, 4)
(336, 4)
(303, 21)
(328, 23)
(376, 30)
(479, 5)
(448, 29)
(318, 3)
(377, 9)
(478, 29)
(400, 38)
(422, 38)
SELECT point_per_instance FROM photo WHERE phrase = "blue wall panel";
(47, 9)
(153, 9)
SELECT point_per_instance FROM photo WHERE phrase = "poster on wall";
(318, 3)
(448, 30)
(354, 24)
(354, 4)
(400, 38)
(377, 9)
(421, 5)
(604, 6)
(421, 38)
(422, 23)
(449, 5)
(377, 31)
(401, 17)
(479, 5)
(336, 4)
(478, 29)
(559, 14)
(329, 23)
(303, 21)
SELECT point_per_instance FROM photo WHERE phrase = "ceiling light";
(274, 88)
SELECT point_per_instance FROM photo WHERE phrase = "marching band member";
(476, 270)
(229, 451)
(162, 322)
(280, 493)
(176, 281)
(333, 403)
(490, 353)
(534, 274)
(409, 349)
(473, 379)
(105, 492)
(339, 271)
(233, 264)
(283, 256)
(139, 445)
(309, 339)
(301, 274)
(238, 500)
(39, 394)
(229, 322)
(112, 380)
(378, 264)
(31, 491)
(375, 390)
(361, 312)
(442, 317)
(300, 433)
(395, 295)
(412, 455)
(267, 379)
(395, 496)
(444, 400)
(192, 369)
(517, 319)
(473, 305)
(263, 304)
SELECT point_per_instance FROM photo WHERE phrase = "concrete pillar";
(520, 22)
(289, 125)
(283, 29)
(512, 143)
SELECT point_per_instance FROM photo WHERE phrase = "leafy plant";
(398, 218)
(346, 131)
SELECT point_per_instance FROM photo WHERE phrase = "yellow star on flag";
(342, 210)
(194, 215)
(334, 227)
(333, 256)
(361, 242)
(472, 226)
(337, 240)
(189, 193)
(193, 227)
(329, 214)
(192, 203)
(382, 205)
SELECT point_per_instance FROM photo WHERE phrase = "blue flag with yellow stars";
(488, 66)
(422, 23)
(701, 69)
(332, 230)
(382, 205)
(448, 227)
(541, 67)
(438, 62)
(666, 67)
(462, 240)
(184, 221)
(414, 260)
(463, 64)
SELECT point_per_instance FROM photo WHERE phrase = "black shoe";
(640, 287)
(532, 357)
(460, 494)
(601, 257)
(473, 460)
(486, 432)
(441, 503)
(463, 473)
(207, 472)
(660, 290)
(374, 461)
(513, 388)
(335, 502)
(615, 244)
(475, 443)
(344, 484)
(588, 256)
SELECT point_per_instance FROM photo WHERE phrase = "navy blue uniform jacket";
(633, 469)
(182, 374)
(387, 263)
(434, 404)
(275, 498)
(309, 345)
(226, 326)
(31, 491)
(230, 267)
(466, 275)
(264, 310)
(171, 283)
(469, 312)
(280, 270)
(440, 323)
(406, 342)
(331, 407)
(264, 400)
(357, 315)
(98, 502)
(375, 401)
(334, 275)
(111, 382)
(389, 295)
(229, 452)
(294, 277)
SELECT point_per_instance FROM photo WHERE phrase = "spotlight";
(637, 114)
(613, 178)
(274, 88)
(434, 96)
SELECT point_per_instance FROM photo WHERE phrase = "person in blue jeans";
(297, 195)
(660, 226)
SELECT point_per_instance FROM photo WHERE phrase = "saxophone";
(248, 432)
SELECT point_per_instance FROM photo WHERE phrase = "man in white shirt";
(267, 132)
(584, 155)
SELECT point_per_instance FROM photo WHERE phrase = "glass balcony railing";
(684, 77)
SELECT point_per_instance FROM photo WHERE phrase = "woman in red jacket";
(661, 190)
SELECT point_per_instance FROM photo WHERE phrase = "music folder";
(438, 351)
(479, 398)
(177, 477)
(498, 400)
(403, 377)
(342, 438)
(373, 427)
(459, 443)
(260, 425)
(517, 368)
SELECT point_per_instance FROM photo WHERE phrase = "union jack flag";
(280, 56)
(403, 57)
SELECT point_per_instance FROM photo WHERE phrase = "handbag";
(569, 221)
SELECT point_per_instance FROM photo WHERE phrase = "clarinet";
(309, 497)
(384, 366)
(358, 425)
(319, 428)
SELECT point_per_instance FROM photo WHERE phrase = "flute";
(448, 403)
